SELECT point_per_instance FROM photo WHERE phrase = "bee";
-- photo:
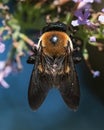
(54, 67)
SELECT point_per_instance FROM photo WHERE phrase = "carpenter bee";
(54, 67)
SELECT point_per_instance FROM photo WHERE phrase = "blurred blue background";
(15, 113)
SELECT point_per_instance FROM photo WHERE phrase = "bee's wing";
(38, 88)
(69, 87)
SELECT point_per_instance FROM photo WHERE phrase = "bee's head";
(55, 26)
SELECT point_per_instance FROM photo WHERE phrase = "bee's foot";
(31, 59)
(34, 49)
(77, 49)
(77, 59)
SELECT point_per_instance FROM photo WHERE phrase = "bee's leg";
(76, 57)
(76, 49)
(34, 49)
(31, 59)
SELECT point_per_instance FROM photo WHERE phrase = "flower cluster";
(82, 17)
(86, 22)
(92, 23)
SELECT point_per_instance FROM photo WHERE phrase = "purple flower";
(92, 39)
(4, 83)
(2, 47)
(96, 73)
(101, 18)
(77, 1)
(102, 10)
(2, 64)
(82, 17)
(86, 1)
(4, 72)
(83, 5)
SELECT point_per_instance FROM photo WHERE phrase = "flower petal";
(102, 10)
(2, 64)
(7, 70)
(77, 1)
(86, 14)
(96, 74)
(88, 1)
(92, 39)
(75, 23)
(78, 13)
(4, 84)
(2, 47)
(101, 18)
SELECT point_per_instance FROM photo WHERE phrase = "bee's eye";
(54, 39)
